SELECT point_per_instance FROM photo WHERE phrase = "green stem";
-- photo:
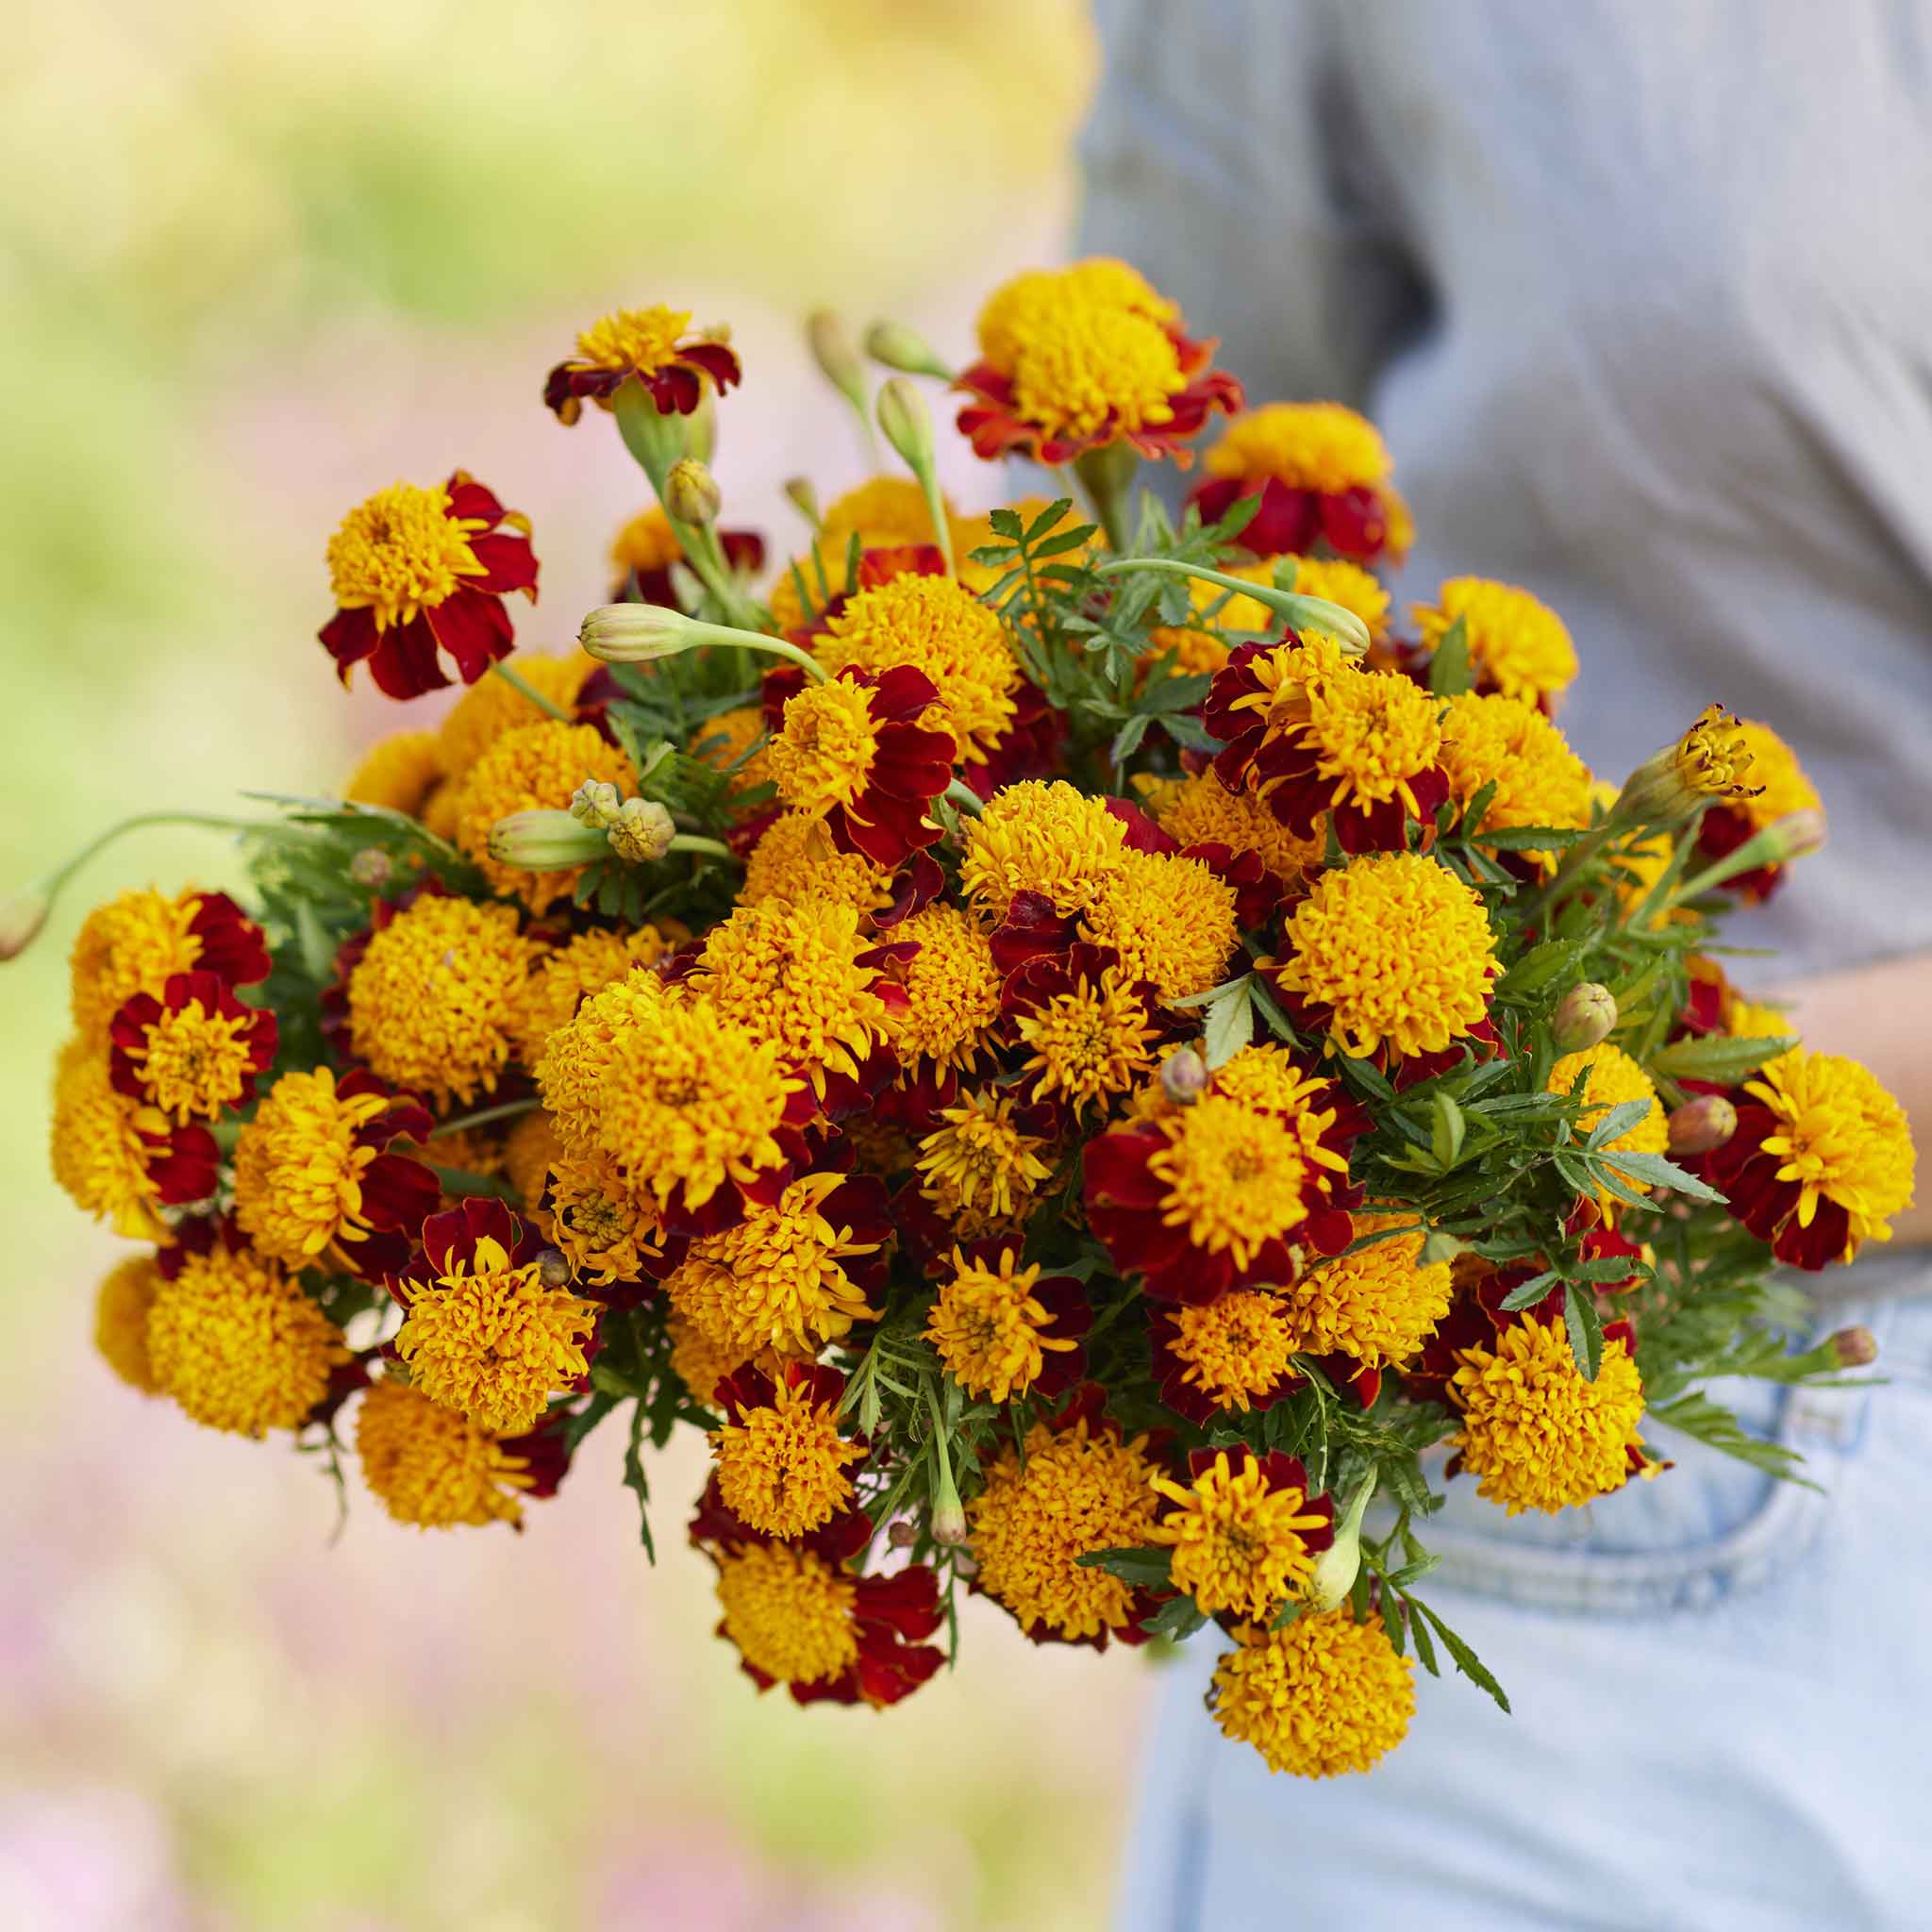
(757, 641)
(961, 794)
(1106, 475)
(502, 1111)
(695, 841)
(56, 881)
(1303, 613)
(525, 690)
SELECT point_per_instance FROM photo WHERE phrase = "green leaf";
(1424, 1643)
(1466, 1659)
(1230, 1023)
(1541, 966)
(1176, 1620)
(1449, 667)
(1698, 1416)
(1144, 1566)
(1720, 1059)
(1532, 838)
(1127, 738)
(1045, 520)
(636, 1481)
(1446, 1131)
(1618, 1122)
(1006, 523)
(1531, 1292)
(1654, 1171)
(1586, 1330)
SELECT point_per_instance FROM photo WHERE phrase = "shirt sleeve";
(1223, 158)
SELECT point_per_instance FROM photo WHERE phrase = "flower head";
(494, 705)
(583, 965)
(1048, 839)
(1517, 645)
(651, 347)
(122, 1303)
(1233, 1354)
(1509, 745)
(1244, 1532)
(992, 1326)
(191, 1052)
(1169, 919)
(795, 860)
(980, 1161)
(1319, 1696)
(605, 1231)
(1085, 1025)
(138, 943)
(886, 513)
(1201, 810)
(1377, 1305)
(952, 989)
(97, 1150)
(398, 773)
(431, 1467)
(1783, 790)
(1322, 472)
(417, 572)
(1606, 1077)
(781, 1460)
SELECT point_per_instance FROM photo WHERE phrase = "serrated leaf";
(1415, 1570)
(1585, 1328)
(1541, 966)
(1230, 1023)
(1719, 1059)
(1618, 1122)
(1424, 1643)
(1526, 1295)
(1144, 1565)
(1466, 1659)
(1654, 1171)
(1449, 666)
(1047, 518)
(1006, 523)
(1176, 1621)
(1127, 738)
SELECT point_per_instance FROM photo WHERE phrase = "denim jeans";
(1721, 1689)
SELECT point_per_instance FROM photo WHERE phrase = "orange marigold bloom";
(1322, 472)
(651, 347)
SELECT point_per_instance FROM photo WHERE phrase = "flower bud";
(641, 831)
(637, 633)
(21, 919)
(805, 499)
(906, 423)
(1184, 1077)
(902, 1534)
(1586, 1017)
(1338, 1566)
(1797, 835)
(595, 804)
(832, 350)
(949, 1524)
(1702, 1124)
(543, 842)
(690, 493)
(1711, 765)
(372, 868)
(553, 1271)
(906, 349)
(1853, 1348)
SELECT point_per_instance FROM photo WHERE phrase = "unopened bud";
(595, 803)
(1586, 1016)
(1184, 1077)
(21, 919)
(805, 499)
(372, 868)
(832, 350)
(1711, 765)
(642, 831)
(906, 349)
(1798, 834)
(553, 1271)
(901, 1535)
(637, 633)
(949, 1524)
(1702, 1124)
(690, 493)
(1853, 1348)
(1340, 1564)
(906, 423)
(544, 841)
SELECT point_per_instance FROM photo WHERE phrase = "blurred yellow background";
(257, 262)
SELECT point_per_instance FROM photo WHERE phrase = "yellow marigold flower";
(440, 810)
(795, 860)
(782, 1461)
(733, 742)
(1078, 366)
(531, 768)
(193, 1054)
(645, 545)
(1266, 1077)
(237, 1344)
(1234, 1179)
(1610, 1077)
(1088, 1041)
(603, 1231)
(789, 1611)
(568, 975)
(492, 705)
(399, 772)
(96, 1151)
(1079, 1489)
(433, 999)
(937, 626)
(1533, 1430)
(531, 1146)
(1239, 1543)
(1517, 644)
(1377, 1305)
(432, 1468)
(1045, 837)
(137, 942)
(1713, 763)
(699, 1362)
(792, 977)
(886, 512)
(1398, 951)
(1201, 810)
(1753, 1018)
(823, 751)
(1233, 1349)
(1510, 743)
(1010, 313)
(1336, 581)
(1372, 734)
(126, 1292)
(1782, 785)
(1171, 921)
(485, 1336)
(777, 1280)
(1320, 446)
(988, 1326)
(952, 986)
(1322, 1695)
(978, 1162)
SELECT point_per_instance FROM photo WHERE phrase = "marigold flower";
(96, 1152)
(851, 752)
(1783, 790)
(993, 1324)
(796, 862)
(952, 989)
(979, 1160)
(532, 1144)
(1378, 1306)
(1319, 1696)
(651, 347)
(313, 1173)
(1170, 919)
(121, 1302)
(191, 1052)
(697, 1360)
(1821, 1159)
(234, 1339)
(1714, 762)
(584, 964)
(934, 626)
(432, 1468)
(1201, 810)
(1233, 1354)
(1080, 1487)
(433, 993)
(1517, 645)
(1609, 1078)
(138, 943)
(494, 706)
(1533, 1430)
(886, 512)
(481, 1332)
(1507, 743)
(398, 773)
(416, 573)
(781, 1460)
(1392, 954)
(1048, 839)
(1320, 471)
(1244, 1531)
(605, 1232)
(1085, 1025)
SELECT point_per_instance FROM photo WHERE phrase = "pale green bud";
(1340, 1564)
(543, 842)
(1184, 1077)
(642, 832)
(906, 423)
(638, 633)
(805, 499)
(906, 349)
(692, 494)
(595, 803)
(833, 351)
(21, 919)
(1585, 1017)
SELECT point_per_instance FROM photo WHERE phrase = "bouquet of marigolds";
(1079, 1047)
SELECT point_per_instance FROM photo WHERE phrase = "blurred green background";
(255, 262)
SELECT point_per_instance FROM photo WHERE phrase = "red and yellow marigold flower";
(997, 1325)
(1201, 810)
(432, 1468)
(1509, 745)
(1234, 1354)
(605, 1231)
(1047, 839)
(1243, 1530)
(1376, 1305)
(980, 1166)
(1322, 472)
(1317, 1697)
(794, 860)
(852, 752)
(191, 1054)
(1170, 921)
(952, 989)
(139, 941)
(799, 1616)
(1782, 788)
(97, 1153)
(1309, 732)
(494, 706)
(1078, 359)
(1517, 645)
(1604, 1077)
(397, 773)
(1085, 1027)
(234, 1339)
(483, 1333)
(417, 572)
(1080, 1487)
(1390, 955)
(315, 1175)
(651, 347)
(122, 1303)
(1822, 1161)
(781, 1462)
